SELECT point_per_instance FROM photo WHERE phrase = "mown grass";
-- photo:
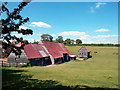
(100, 72)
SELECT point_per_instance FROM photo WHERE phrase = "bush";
(2, 56)
(28, 64)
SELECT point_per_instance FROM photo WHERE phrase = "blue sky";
(92, 22)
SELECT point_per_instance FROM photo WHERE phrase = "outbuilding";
(42, 54)
(37, 55)
(83, 52)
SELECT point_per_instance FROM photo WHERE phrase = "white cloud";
(40, 24)
(101, 40)
(92, 9)
(32, 25)
(53, 35)
(84, 37)
(99, 4)
(30, 40)
(23, 27)
(105, 36)
(102, 30)
(71, 33)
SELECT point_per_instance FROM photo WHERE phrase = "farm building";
(12, 59)
(37, 55)
(84, 52)
(46, 53)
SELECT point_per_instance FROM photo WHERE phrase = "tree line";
(59, 39)
(70, 42)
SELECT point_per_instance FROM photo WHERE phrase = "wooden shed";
(13, 60)
(84, 52)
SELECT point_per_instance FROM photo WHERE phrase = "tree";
(78, 41)
(25, 41)
(59, 39)
(67, 41)
(47, 37)
(11, 24)
(72, 42)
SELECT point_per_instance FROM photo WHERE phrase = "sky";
(92, 22)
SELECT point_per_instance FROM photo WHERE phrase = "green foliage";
(117, 45)
(47, 37)
(11, 24)
(28, 64)
(59, 39)
(108, 45)
(78, 41)
(72, 42)
(2, 56)
(67, 41)
(25, 41)
(36, 42)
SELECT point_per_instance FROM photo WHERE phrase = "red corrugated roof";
(52, 49)
(63, 48)
(63, 52)
(86, 49)
(55, 49)
(34, 51)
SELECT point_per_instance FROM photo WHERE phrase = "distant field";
(101, 71)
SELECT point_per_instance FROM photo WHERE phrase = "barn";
(83, 52)
(41, 54)
(57, 51)
(37, 55)
(46, 53)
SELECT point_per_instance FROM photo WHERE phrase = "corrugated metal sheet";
(38, 50)
(52, 49)
(86, 49)
(32, 51)
(55, 49)
(42, 53)
(64, 49)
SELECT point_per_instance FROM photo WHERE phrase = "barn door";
(82, 54)
(66, 57)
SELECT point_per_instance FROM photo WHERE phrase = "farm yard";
(100, 71)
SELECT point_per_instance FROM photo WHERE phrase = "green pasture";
(100, 72)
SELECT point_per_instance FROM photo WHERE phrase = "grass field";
(100, 72)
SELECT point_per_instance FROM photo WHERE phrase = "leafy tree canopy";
(78, 41)
(47, 37)
(67, 41)
(59, 39)
(11, 24)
